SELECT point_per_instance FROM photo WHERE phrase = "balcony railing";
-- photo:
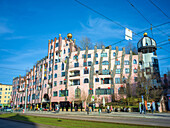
(73, 75)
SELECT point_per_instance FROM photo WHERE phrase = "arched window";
(134, 61)
(114, 54)
(122, 90)
(86, 80)
(105, 63)
(62, 66)
(55, 75)
(146, 44)
(77, 92)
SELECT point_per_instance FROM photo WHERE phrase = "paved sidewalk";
(112, 114)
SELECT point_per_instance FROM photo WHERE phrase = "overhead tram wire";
(103, 15)
(146, 18)
(159, 9)
(118, 23)
(122, 25)
(12, 69)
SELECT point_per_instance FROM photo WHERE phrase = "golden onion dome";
(69, 35)
(145, 34)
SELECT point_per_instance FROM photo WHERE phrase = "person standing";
(87, 109)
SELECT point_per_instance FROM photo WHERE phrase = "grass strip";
(68, 123)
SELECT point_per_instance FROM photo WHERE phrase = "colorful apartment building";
(5, 95)
(72, 77)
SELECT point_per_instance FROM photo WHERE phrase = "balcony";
(105, 72)
(74, 82)
(106, 81)
(74, 73)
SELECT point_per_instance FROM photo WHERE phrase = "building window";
(68, 50)
(6, 89)
(62, 74)
(103, 54)
(134, 61)
(64, 51)
(54, 93)
(77, 93)
(51, 47)
(117, 80)
(97, 71)
(56, 45)
(96, 79)
(148, 71)
(49, 68)
(89, 55)
(89, 63)
(83, 55)
(96, 55)
(114, 54)
(86, 71)
(104, 91)
(76, 64)
(5, 101)
(97, 62)
(62, 66)
(135, 70)
(117, 63)
(0, 89)
(75, 57)
(5, 92)
(117, 71)
(135, 79)
(126, 62)
(63, 93)
(55, 83)
(86, 80)
(105, 63)
(56, 67)
(122, 90)
(85, 64)
(127, 70)
(55, 75)
(90, 91)
(61, 82)
(0, 97)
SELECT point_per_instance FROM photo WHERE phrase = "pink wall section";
(83, 86)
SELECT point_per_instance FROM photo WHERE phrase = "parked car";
(7, 109)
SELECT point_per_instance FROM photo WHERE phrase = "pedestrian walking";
(151, 108)
(108, 110)
(141, 109)
(87, 109)
(111, 108)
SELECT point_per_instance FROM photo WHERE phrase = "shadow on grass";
(21, 121)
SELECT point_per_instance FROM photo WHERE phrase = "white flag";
(128, 34)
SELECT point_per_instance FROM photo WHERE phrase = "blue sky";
(26, 26)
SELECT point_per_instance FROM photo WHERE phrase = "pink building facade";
(69, 76)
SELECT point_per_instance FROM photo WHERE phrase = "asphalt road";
(112, 119)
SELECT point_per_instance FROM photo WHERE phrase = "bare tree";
(129, 47)
(86, 42)
(99, 44)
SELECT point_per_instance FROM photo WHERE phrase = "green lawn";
(67, 123)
